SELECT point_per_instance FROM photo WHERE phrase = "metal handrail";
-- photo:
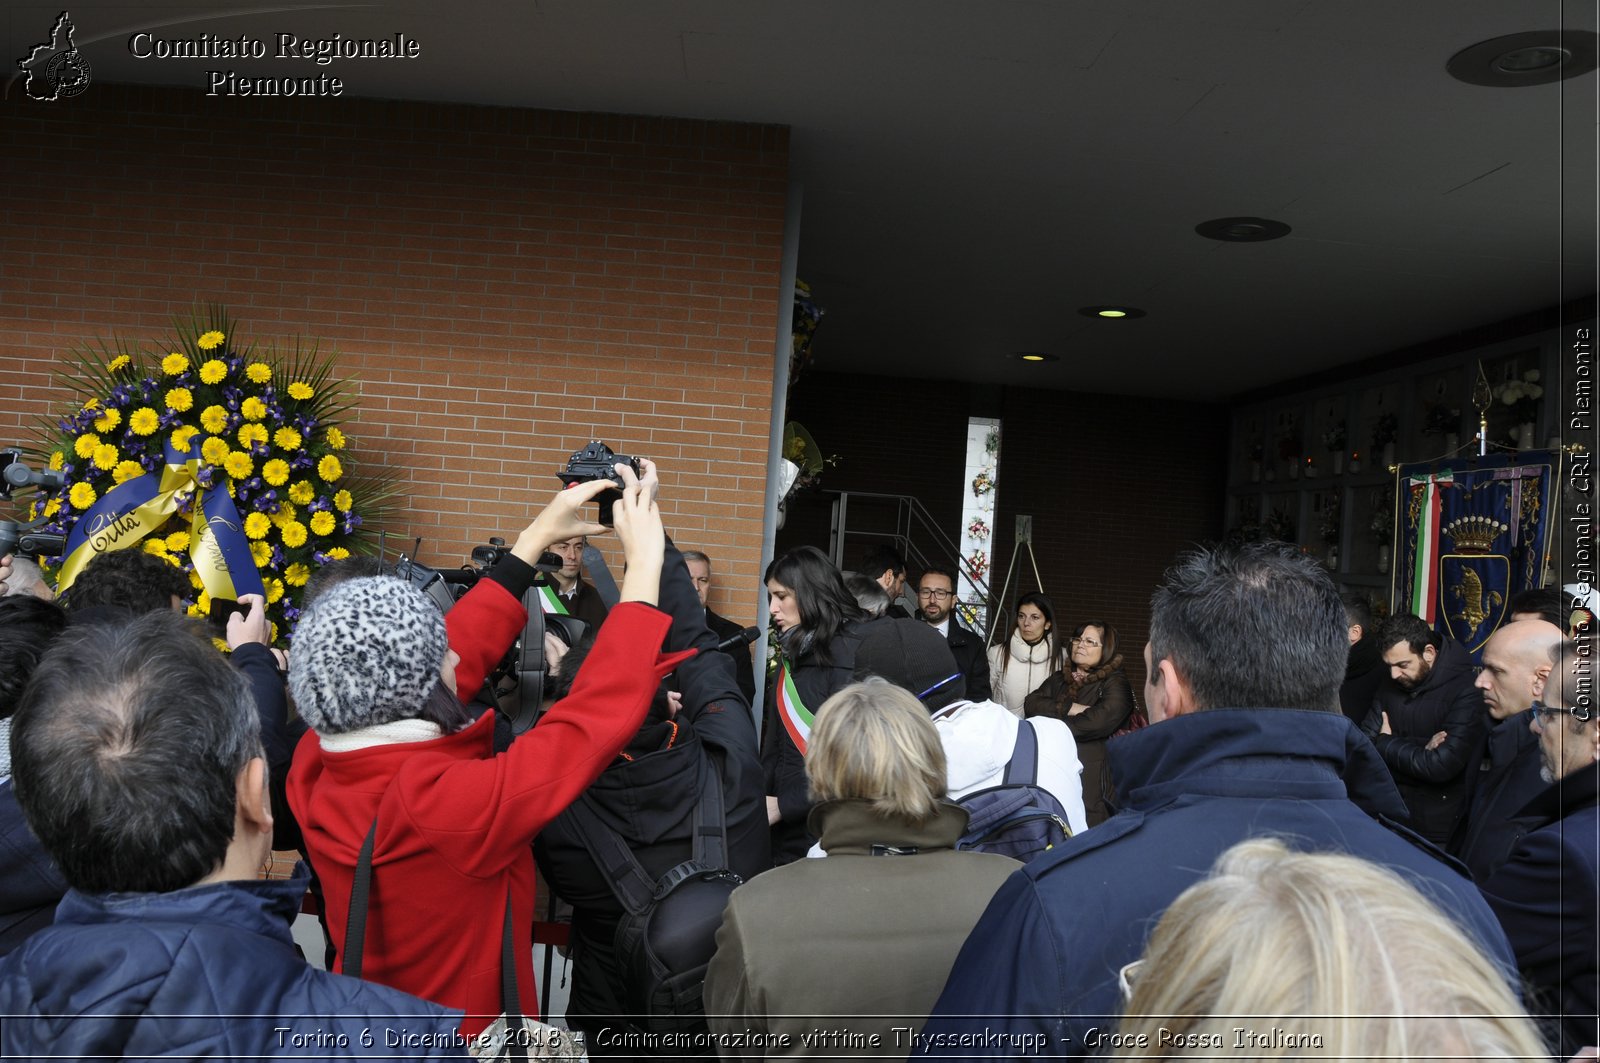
(910, 515)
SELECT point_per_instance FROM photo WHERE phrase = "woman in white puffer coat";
(1030, 654)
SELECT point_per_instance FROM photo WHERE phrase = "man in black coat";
(1517, 662)
(1427, 722)
(647, 796)
(1547, 893)
(1364, 668)
(936, 602)
(700, 575)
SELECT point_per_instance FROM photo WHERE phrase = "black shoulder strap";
(355, 923)
(1023, 767)
(634, 889)
(355, 940)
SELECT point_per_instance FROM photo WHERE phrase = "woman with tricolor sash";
(819, 627)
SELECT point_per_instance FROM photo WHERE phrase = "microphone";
(743, 638)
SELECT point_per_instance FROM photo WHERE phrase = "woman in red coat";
(454, 821)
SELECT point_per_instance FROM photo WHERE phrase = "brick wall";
(1116, 485)
(502, 285)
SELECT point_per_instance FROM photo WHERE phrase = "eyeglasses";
(937, 595)
(1090, 643)
(1545, 713)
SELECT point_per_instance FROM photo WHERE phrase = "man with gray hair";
(137, 758)
(700, 575)
(1246, 739)
(1547, 893)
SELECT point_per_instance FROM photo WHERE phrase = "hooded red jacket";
(455, 823)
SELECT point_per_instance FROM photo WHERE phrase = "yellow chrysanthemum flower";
(183, 436)
(256, 526)
(178, 540)
(81, 496)
(106, 456)
(284, 514)
(196, 582)
(251, 434)
(338, 553)
(342, 501)
(174, 363)
(58, 460)
(52, 507)
(287, 439)
(155, 546)
(274, 590)
(329, 468)
(300, 390)
(194, 611)
(322, 523)
(258, 372)
(213, 371)
(214, 419)
(238, 465)
(214, 451)
(260, 553)
(210, 341)
(302, 492)
(296, 574)
(119, 362)
(293, 534)
(180, 399)
(85, 444)
(108, 420)
(335, 438)
(253, 409)
(125, 471)
(275, 472)
(222, 646)
(143, 421)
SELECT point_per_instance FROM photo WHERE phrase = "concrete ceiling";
(974, 172)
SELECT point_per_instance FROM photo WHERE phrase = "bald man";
(1517, 661)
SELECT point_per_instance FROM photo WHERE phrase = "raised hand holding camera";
(637, 521)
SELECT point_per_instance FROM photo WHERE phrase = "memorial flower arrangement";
(224, 460)
(1279, 525)
(1521, 395)
(1440, 419)
(978, 529)
(1384, 430)
(1335, 437)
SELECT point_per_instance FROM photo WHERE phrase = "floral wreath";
(226, 462)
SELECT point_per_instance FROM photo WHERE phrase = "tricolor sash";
(132, 511)
(797, 719)
(550, 601)
(1426, 574)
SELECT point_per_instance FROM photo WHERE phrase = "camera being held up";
(595, 462)
(24, 538)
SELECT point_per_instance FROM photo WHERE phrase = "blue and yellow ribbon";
(130, 512)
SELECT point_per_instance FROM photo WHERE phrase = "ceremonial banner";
(1470, 534)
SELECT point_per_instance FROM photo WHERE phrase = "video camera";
(25, 538)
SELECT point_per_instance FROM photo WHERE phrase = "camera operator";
(647, 796)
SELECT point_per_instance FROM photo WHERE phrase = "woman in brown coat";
(1095, 699)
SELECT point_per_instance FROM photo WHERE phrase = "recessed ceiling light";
(1242, 230)
(1036, 356)
(1111, 312)
(1517, 59)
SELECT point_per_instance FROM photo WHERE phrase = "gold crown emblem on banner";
(1474, 534)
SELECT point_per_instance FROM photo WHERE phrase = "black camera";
(24, 538)
(596, 462)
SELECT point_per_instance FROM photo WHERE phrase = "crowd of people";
(929, 846)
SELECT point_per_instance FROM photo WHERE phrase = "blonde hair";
(1286, 954)
(873, 741)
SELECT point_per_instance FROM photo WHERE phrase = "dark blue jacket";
(30, 885)
(205, 971)
(1546, 896)
(1044, 959)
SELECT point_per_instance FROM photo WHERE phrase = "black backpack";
(668, 930)
(1018, 818)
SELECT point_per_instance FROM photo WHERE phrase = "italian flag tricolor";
(796, 717)
(1426, 569)
(550, 600)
